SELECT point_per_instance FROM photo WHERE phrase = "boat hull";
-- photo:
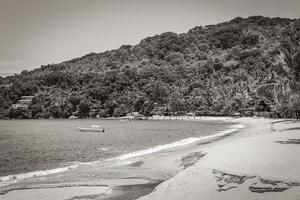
(90, 129)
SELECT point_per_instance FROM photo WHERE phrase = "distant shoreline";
(157, 117)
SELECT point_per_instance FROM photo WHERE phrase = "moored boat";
(93, 128)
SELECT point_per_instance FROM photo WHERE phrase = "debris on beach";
(191, 159)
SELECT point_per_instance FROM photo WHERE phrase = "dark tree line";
(248, 66)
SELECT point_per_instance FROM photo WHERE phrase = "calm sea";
(30, 145)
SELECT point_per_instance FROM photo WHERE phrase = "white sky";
(36, 32)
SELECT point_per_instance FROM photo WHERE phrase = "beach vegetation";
(248, 65)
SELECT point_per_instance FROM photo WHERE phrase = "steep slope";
(221, 69)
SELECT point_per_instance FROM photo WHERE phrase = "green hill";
(248, 66)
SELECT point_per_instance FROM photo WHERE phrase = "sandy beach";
(263, 163)
(260, 161)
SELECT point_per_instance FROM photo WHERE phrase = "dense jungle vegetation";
(247, 65)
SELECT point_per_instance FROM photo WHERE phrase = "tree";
(236, 66)
(250, 39)
(55, 111)
(120, 111)
(290, 51)
(19, 113)
(287, 91)
(84, 108)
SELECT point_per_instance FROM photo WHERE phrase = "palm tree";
(290, 51)
(287, 91)
(286, 88)
(290, 55)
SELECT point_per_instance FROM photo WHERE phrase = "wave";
(6, 180)
(231, 129)
(9, 179)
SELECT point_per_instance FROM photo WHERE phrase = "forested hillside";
(249, 66)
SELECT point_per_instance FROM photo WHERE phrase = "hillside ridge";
(246, 65)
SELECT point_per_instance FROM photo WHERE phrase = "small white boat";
(93, 128)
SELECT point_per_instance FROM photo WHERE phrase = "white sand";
(251, 159)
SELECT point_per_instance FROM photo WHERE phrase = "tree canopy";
(247, 65)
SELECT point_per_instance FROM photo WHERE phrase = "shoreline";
(158, 117)
(13, 178)
(263, 163)
(151, 168)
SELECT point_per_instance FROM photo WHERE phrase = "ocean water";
(37, 145)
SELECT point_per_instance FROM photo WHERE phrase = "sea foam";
(231, 129)
(7, 180)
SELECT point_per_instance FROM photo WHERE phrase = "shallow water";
(51, 193)
(30, 145)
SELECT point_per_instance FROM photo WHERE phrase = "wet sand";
(263, 163)
(138, 176)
